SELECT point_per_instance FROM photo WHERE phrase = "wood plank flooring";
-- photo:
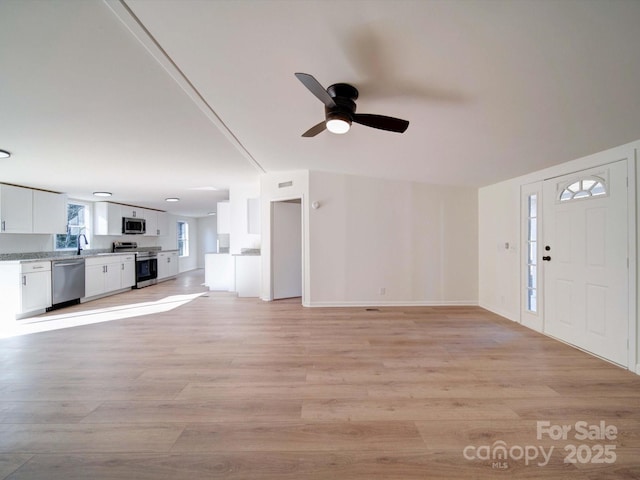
(228, 388)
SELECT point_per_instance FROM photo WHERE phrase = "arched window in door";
(584, 188)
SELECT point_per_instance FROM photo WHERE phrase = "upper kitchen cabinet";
(224, 217)
(151, 218)
(24, 210)
(16, 209)
(107, 218)
(134, 212)
(157, 222)
(49, 212)
(163, 223)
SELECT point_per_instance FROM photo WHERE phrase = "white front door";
(585, 260)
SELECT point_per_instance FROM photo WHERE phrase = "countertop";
(9, 258)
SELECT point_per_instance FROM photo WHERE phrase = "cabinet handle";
(3, 225)
(158, 232)
(24, 280)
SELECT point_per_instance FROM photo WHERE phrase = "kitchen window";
(78, 223)
(183, 239)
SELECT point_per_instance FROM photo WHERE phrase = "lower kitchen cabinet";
(26, 288)
(167, 265)
(127, 271)
(108, 274)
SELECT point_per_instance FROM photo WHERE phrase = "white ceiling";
(492, 88)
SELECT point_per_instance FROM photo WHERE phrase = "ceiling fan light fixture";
(338, 124)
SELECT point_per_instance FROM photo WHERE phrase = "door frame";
(302, 239)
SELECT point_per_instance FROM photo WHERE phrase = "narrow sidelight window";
(532, 253)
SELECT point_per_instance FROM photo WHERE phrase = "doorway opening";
(286, 249)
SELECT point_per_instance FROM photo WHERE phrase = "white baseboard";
(638, 368)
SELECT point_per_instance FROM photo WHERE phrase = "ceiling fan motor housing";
(343, 95)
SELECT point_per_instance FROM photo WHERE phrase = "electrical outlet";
(383, 290)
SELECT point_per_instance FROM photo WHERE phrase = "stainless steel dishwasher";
(67, 280)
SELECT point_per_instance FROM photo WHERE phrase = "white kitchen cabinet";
(107, 218)
(134, 212)
(151, 217)
(163, 223)
(26, 288)
(49, 212)
(24, 210)
(223, 215)
(127, 271)
(167, 265)
(108, 274)
(16, 209)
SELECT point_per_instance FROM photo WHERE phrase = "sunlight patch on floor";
(88, 317)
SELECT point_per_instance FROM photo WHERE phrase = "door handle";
(547, 258)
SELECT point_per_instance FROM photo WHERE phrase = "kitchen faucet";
(86, 242)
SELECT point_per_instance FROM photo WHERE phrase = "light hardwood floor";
(228, 388)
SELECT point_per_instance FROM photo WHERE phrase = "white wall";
(417, 241)
(190, 262)
(207, 237)
(19, 243)
(239, 236)
(499, 268)
(499, 221)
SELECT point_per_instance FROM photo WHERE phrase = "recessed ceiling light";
(172, 199)
(102, 194)
(4, 154)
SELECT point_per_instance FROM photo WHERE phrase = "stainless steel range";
(146, 263)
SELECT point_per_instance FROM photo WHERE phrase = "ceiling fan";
(340, 109)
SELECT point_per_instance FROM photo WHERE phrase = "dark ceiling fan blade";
(316, 88)
(315, 130)
(380, 121)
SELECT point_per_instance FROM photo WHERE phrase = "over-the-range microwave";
(134, 226)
